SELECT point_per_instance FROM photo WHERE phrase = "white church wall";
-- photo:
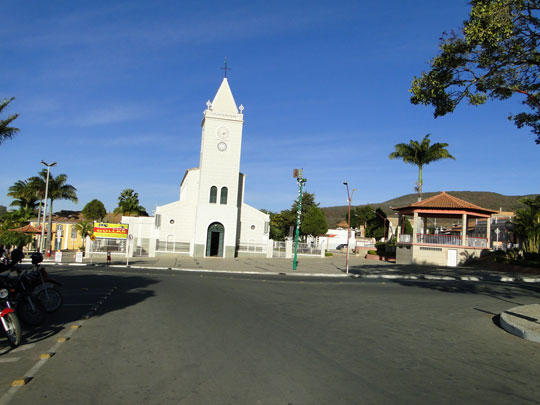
(178, 219)
(190, 185)
(254, 228)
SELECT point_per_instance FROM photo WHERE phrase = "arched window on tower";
(223, 199)
(213, 195)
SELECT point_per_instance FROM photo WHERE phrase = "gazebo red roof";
(27, 229)
(444, 203)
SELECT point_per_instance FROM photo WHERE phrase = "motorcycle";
(8, 318)
(43, 287)
(20, 295)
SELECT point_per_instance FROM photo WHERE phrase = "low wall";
(436, 255)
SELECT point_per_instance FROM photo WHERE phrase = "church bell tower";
(220, 182)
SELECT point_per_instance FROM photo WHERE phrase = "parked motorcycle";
(8, 318)
(43, 287)
(20, 295)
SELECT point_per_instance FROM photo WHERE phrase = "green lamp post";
(297, 174)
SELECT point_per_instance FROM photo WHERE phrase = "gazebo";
(440, 249)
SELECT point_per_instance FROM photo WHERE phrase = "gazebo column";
(488, 232)
(400, 218)
(415, 228)
(464, 227)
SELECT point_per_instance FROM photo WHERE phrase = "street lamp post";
(349, 199)
(45, 205)
(298, 175)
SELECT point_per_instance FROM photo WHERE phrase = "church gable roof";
(224, 100)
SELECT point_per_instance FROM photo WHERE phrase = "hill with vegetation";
(493, 201)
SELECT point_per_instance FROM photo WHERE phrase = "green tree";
(10, 238)
(314, 222)
(420, 154)
(94, 210)
(84, 228)
(494, 56)
(278, 227)
(361, 215)
(128, 204)
(24, 194)
(527, 224)
(15, 219)
(7, 132)
(280, 223)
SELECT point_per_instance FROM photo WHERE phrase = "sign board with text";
(110, 231)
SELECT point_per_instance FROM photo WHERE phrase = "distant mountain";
(484, 199)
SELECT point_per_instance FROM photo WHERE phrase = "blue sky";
(114, 92)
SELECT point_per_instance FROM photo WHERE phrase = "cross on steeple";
(226, 68)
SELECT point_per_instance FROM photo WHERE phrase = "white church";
(210, 219)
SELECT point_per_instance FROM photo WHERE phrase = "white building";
(210, 218)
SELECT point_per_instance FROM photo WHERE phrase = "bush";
(372, 252)
(533, 256)
(328, 254)
(381, 248)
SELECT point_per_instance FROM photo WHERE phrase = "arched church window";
(223, 199)
(213, 195)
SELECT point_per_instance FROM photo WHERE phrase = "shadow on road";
(82, 292)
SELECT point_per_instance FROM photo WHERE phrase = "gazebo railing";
(440, 239)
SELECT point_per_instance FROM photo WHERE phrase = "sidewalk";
(523, 321)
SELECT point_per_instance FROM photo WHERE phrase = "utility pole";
(297, 174)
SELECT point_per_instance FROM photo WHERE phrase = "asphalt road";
(164, 337)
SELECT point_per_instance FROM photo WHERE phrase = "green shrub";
(328, 254)
(372, 252)
(381, 248)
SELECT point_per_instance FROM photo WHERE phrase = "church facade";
(210, 219)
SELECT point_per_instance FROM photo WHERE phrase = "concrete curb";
(522, 321)
(387, 276)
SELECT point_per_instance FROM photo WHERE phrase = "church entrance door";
(214, 240)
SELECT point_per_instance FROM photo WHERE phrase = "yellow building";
(64, 234)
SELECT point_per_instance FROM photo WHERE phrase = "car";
(342, 246)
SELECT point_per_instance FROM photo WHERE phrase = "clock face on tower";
(223, 133)
(222, 146)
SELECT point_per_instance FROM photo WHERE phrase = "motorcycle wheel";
(53, 303)
(30, 316)
(13, 331)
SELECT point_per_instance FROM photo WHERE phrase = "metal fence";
(309, 249)
(109, 245)
(279, 248)
(171, 247)
(440, 239)
(252, 248)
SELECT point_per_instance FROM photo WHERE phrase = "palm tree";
(85, 228)
(421, 154)
(7, 132)
(128, 204)
(24, 194)
(527, 224)
(58, 190)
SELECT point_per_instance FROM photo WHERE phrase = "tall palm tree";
(128, 204)
(7, 132)
(420, 154)
(37, 183)
(24, 194)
